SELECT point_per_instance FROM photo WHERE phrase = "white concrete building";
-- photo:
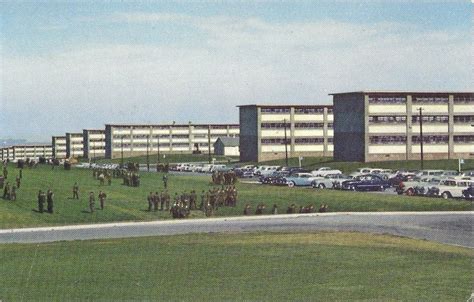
(228, 146)
(59, 147)
(94, 143)
(74, 145)
(23, 152)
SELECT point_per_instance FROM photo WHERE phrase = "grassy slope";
(286, 267)
(347, 167)
(127, 203)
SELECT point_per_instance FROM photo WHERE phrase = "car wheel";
(445, 195)
(313, 184)
(322, 186)
(291, 184)
(410, 192)
(353, 188)
(382, 188)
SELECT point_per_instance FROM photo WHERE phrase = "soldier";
(291, 209)
(275, 209)
(203, 200)
(208, 209)
(260, 208)
(50, 201)
(5, 172)
(165, 181)
(40, 201)
(75, 191)
(150, 201)
(21, 173)
(91, 202)
(109, 179)
(6, 191)
(18, 182)
(13, 193)
(247, 209)
(102, 196)
(167, 199)
(192, 200)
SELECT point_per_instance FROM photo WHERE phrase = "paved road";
(447, 227)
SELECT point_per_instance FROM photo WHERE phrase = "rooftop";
(287, 106)
(166, 125)
(229, 141)
(402, 92)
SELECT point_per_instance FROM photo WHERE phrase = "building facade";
(384, 125)
(136, 140)
(74, 145)
(59, 147)
(263, 128)
(23, 152)
(227, 146)
(94, 143)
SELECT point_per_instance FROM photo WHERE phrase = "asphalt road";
(453, 228)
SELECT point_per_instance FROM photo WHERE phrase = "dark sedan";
(468, 193)
(368, 182)
(276, 178)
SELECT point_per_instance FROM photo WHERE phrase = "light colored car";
(219, 168)
(361, 171)
(323, 171)
(269, 170)
(329, 181)
(299, 179)
(427, 173)
(451, 188)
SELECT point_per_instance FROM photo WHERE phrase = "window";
(330, 125)
(463, 99)
(330, 140)
(330, 110)
(387, 99)
(464, 118)
(309, 125)
(218, 126)
(274, 141)
(430, 99)
(387, 119)
(180, 145)
(180, 136)
(309, 140)
(464, 138)
(140, 136)
(431, 139)
(309, 110)
(430, 118)
(388, 140)
(275, 110)
(275, 125)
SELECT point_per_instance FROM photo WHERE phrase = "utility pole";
(121, 144)
(286, 144)
(158, 149)
(148, 153)
(420, 116)
(209, 142)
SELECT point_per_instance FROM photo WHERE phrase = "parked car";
(416, 185)
(276, 178)
(329, 181)
(468, 193)
(397, 179)
(323, 171)
(369, 182)
(426, 173)
(299, 179)
(360, 171)
(450, 188)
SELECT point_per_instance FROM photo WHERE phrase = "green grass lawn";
(348, 167)
(245, 267)
(130, 204)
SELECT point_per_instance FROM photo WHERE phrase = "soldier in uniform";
(203, 200)
(247, 209)
(18, 182)
(109, 179)
(156, 201)
(5, 172)
(91, 201)
(260, 208)
(40, 201)
(21, 173)
(275, 209)
(50, 201)
(167, 200)
(165, 181)
(192, 200)
(102, 196)
(13, 193)
(75, 191)
(291, 209)
(150, 201)
(6, 191)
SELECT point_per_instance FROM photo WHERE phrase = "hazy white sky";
(65, 67)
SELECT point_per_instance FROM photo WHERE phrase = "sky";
(68, 66)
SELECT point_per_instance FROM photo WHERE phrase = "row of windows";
(427, 139)
(387, 99)
(463, 99)
(388, 139)
(297, 125)
(464, 118)
(430, 118)
(275, 110)
(433, 100)
(431, 139)
(275, 125)
(387, 119)
(464, 138)
(301, 141)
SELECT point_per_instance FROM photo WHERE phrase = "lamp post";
(420, 116)
(286, 144)
(148, 153)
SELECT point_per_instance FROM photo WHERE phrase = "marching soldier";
(156, 201)
(18, 182)
(21, 173)
(50, 201)
(260, 208)
(150, 201)
(102, 196)
(6, 191)
(203, 200)
(192, 200)
(167, 200)
(165, 181)
(75, 191)
(13, 193)
(5, 172)
(40, 201)
(91, 202)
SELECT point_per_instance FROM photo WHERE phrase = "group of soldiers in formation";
(224, 178)
(183, 203)
(9, 192)
(292, 209)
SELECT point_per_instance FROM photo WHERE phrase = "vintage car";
(299, 179)
(369, 182)
(323, 171)
(450, 188)
(469, 193)
(416, 185)
(329, 181)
